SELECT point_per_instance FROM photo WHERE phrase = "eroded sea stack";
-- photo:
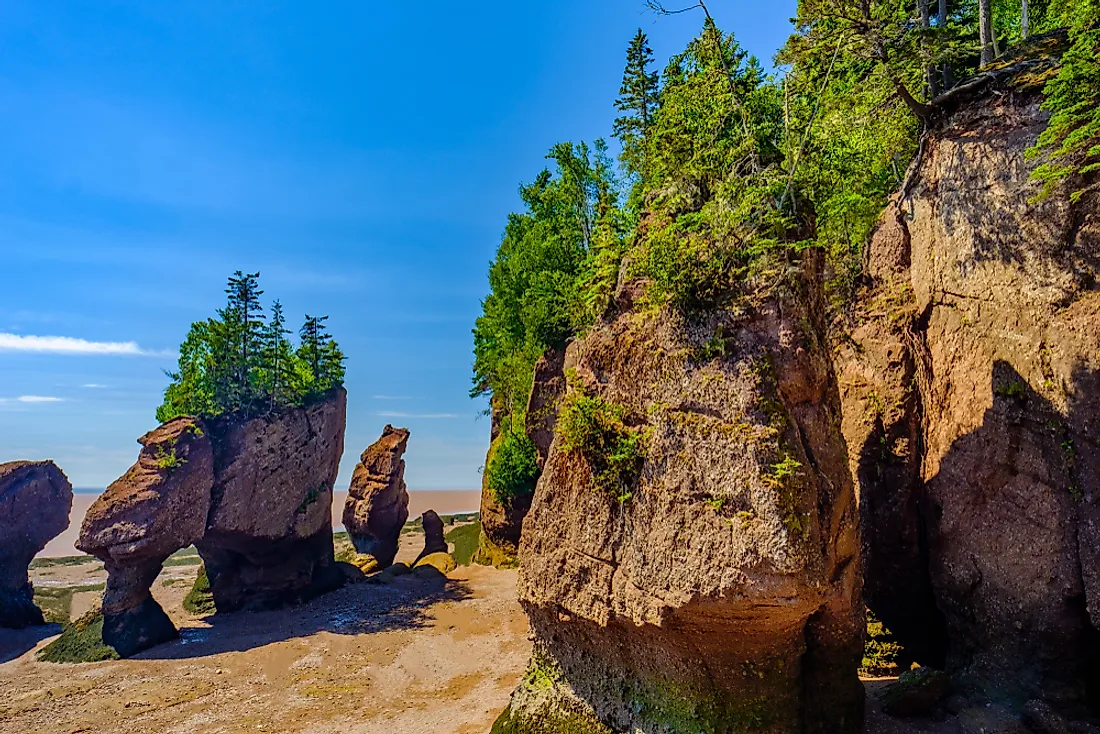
(502, 522)
(255, 498)
(378, 502)
(712, 583)
(971, 388)
(35, 501)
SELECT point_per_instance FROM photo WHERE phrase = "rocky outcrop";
(434, 542)
(268, 538)
(712, 583)
(502, 523)
(969, 381)
(35, 500)
(157, 507)
(378, 502)
(254, 497)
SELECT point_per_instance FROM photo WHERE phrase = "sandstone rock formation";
(268, 538)
(378, 502)
(159, 506)
(434, 542)
(35, 500)
(253, 496)
(713, 585)
(969, 381)
(501, 524)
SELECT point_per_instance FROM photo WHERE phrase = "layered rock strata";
(35, 501)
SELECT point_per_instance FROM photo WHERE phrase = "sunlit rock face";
(378, 501)
(970, 380)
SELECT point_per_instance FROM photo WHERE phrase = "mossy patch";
(548, 722)
(200, 600)
(442, 562)
(80, 642)
(465, 540)
(880, 650)
(497, 556)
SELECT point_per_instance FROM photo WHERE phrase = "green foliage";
(465, 539)
(1072, 138)
(80, 642)
(166, 459)
(553, 273)
(236, 363)
(200, 600)
(512, 470)
(593, 428)
(56, 602)
(638, 101)
(880, 650)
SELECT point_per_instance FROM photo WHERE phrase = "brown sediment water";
(443, 501)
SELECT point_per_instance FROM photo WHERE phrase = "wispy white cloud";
(71, 345)
(427, 416)
(32, 399)
(94, 386)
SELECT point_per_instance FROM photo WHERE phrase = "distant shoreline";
(443, 501)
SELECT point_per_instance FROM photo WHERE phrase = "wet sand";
(443, 501)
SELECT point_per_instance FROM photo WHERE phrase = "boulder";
(707, 578)
(915, 693)
(442, 562)
(156, 508)
(434, 542)
(35, 501)
(969, 373)
(378, 502)
(268, 539)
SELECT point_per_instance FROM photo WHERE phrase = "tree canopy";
(241, 362)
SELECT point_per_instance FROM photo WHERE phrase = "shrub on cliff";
(237, 363)
(593, 428)
(512, 470)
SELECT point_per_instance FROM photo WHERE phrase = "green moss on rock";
(80, 642)
(465, 540)
(200, 600)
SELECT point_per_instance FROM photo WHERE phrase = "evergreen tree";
(279, 360)
(321, 358)
(637, 100)
(243, 337)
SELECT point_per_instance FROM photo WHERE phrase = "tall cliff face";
(718, 586)
(971, 388)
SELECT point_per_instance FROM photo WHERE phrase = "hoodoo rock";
(434, 542)
(969, 380)
(157, 507)
(35, 501)
(268, 538)
(706, 578)
(502, 523)
(378, 502)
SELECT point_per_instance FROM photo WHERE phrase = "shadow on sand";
(356, 609)
(16, 643)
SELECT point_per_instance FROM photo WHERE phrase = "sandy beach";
(443, 501)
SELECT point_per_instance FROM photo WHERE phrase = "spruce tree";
(637, 100)
(278, 359)
(243, 334)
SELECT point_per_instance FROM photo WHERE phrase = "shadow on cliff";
(1002, 519)
(16, 643)
(358, 609)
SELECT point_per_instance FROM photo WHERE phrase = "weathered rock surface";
(158, 507)
(35, 500)
(502, 523)
(969, 384)
(378, 502)
(723, 594)
(268, 538)
(434, 542)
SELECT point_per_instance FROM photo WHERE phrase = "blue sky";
(362, 156)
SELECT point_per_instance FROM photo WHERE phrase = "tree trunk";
(930, 69)
(941, 24)
(1025, 20)
(985, 26)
